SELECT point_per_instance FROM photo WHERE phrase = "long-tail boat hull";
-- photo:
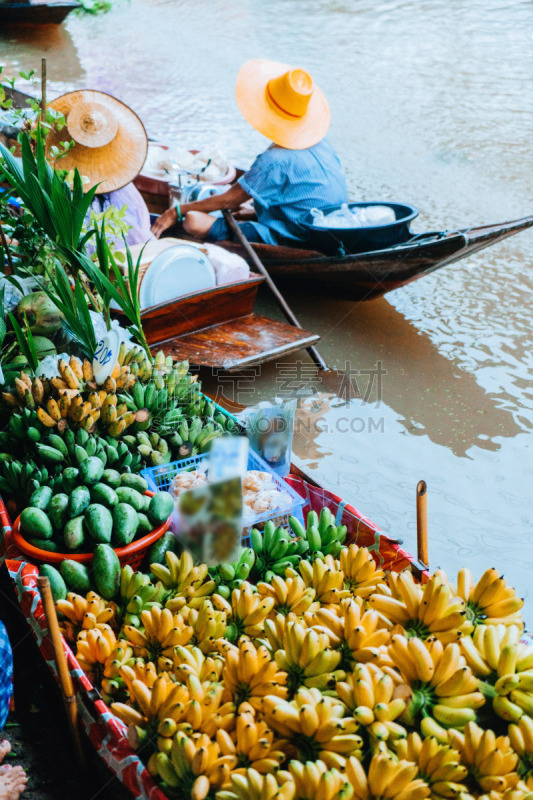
(363, 276)
(35, 13)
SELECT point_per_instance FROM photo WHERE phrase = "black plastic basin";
(361, 240)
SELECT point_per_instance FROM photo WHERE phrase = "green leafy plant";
(73, 305)
(27, 249)
(124, 293)
(59, 209)
(24, 118)
(25, 343)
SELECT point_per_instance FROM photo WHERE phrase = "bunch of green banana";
(192, 438)
(121, 457)
(321, 534)
(199, 406)
(275, 551)
(228, 424)
(137, 593)
(152, 448)
(23, 429)
(20, 479)
(154, 405)
(229, 576)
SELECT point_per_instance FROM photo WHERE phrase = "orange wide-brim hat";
(283, 103)
(110, 140)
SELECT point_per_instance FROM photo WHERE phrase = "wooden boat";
(216, 327)
(363, 276)
(106, 736)
(36, 13)
(360, 276)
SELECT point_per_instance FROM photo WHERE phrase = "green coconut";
(42, 314)
(44, 347)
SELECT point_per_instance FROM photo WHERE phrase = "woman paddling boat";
(298, 172)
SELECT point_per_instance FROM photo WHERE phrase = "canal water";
(431, 104)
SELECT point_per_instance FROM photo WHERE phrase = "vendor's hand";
(166, 220)
(245, 211)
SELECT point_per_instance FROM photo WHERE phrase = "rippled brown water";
(431, 103)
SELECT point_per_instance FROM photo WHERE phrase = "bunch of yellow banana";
(205, 712)
(246, 613)
(291, 595)
(307, 659)
(254, 786)
(368, 695)
(193, 768)
(112, 681)
(191, 660)
(159, 710)
(163, 630)
(314, 781)
(94, 650)
(505, 668)
(29, 392)
(316, 726)
(359, 635)
(439, 765)
(86, 612)
(387, 778)
(429, 611)
(520, 793)
(253, 744)
(444, 690)
(139, 670)
(325, 577)
(361, 574)
(521, 738)
(489, 759)
(187, 582)
(274, 630)
(249, 674)
(489, 601)
(208, 624)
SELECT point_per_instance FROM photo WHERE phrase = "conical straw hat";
(111, 143)
(283, 103)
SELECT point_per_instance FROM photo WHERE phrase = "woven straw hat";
(111, 143)
(282, 103)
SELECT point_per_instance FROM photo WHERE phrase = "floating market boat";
(36, 13)
(107, 734)
(363, 276)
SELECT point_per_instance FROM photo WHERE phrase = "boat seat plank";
(239, 343)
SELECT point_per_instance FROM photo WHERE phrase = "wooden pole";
(422, 522)
(65, 680)
(43, 89)
(243, 241)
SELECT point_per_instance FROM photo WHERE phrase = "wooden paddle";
(254, 258)
(65, 680)
(422, 522)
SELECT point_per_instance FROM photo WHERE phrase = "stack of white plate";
(177, 271)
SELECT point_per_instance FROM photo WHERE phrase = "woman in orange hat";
(299, 170)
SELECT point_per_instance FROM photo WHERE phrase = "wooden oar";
(422, 522)
(243, 241)
(65, 680)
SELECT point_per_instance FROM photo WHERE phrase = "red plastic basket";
(131, 554)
